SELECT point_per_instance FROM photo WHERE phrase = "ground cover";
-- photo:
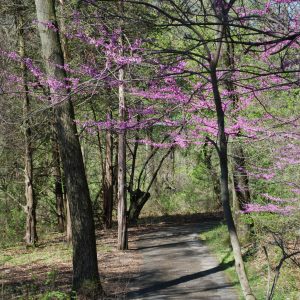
(45, 272)
(288, 287)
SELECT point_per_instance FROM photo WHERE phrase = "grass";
(45, 271)
(217, 238)
(50, 254)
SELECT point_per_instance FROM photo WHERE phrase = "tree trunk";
(63, 29)
(223, 158)
(58, 187)
(155, 192)
(108, 182)
(68, 221)
(67, 213)
(85, 268)
(241, 192)
(30, 234)
(115, 172)
(240, 176)
(138, 199)
(122, 205)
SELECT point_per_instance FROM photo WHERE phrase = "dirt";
(166, 260)
(48, 269)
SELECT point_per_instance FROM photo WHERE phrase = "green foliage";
(286, 225)
(55, 295)
(12, 223)
(217, 238)
(50, 255)
(189, 190)
(51, 277)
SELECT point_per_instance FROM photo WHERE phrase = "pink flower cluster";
(270, 208)
(279, 200)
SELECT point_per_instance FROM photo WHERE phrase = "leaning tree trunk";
(240, 176)
(85, 267)
(30, 234)
(223, 159)
(241, 191)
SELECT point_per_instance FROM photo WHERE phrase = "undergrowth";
(217, 238)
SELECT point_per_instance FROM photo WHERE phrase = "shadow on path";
(178, 266)
(164, 285)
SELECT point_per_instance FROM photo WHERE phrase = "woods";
(116, 111)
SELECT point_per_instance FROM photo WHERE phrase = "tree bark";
(68, 221)
(122, 205)
(240, 176)
(152, 167)
(223, 158)
(115, 171)
(138, 199)
(85, 268)
(241, 191)
(63, 30)
(58, 187)
(31, 203)
(108, 181)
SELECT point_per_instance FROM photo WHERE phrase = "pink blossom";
(271, 208)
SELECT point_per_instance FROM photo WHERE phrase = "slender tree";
(240, 184)
(31, 201)
(208, 60)
(58, 186)
(122, 205)
(108, 179)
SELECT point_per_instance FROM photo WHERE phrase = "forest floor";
(45, 271)
(166, 260)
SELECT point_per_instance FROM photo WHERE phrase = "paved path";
(178, 266)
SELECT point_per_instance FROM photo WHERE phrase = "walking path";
(178, 266)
